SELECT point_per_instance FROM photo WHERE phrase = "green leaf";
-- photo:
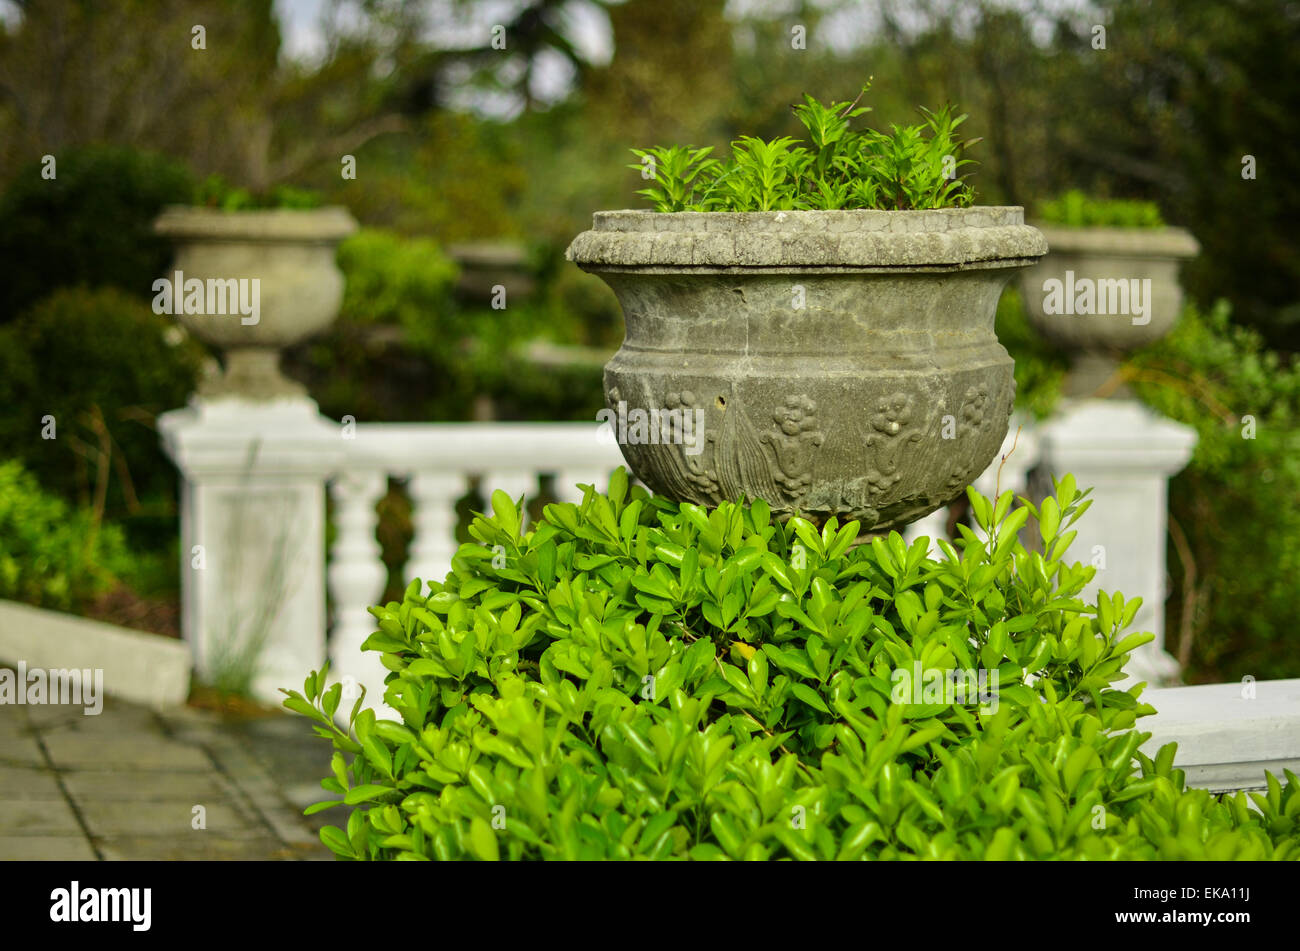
(359, 794)
(483, 841)
(810, 697)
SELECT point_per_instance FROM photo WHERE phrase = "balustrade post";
(253, 538)
(1125, 453)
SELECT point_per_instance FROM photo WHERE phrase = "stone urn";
(1103, 292)
(251, 283)
(828, 362)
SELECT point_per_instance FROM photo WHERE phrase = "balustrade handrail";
(407, 448)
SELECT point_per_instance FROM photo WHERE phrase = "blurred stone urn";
(251, 283)
(1103, 292)
(828, 362)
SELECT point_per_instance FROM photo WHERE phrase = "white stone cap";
(236, 437)
(142, 668)
(1227, 734)
(1123, 435)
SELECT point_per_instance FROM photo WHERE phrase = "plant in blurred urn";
(1109, 285)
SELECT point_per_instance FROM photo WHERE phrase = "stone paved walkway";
(125, 784)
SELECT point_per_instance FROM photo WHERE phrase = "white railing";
(438, 462)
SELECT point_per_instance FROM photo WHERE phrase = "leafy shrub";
(51, 556)
(215, 192)
(637, 678)
(103, 365)
(1074, 209)
(92, 224)
(909, 167)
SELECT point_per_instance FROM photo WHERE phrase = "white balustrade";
(1126, 454)
(258, 457)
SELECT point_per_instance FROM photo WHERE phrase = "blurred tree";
(139, 73)
(1182, 96)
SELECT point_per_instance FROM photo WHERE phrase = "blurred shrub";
(92, 224)
(1234, 553)
(455, 176)
(404, 349)
(52, 555)
(215, 192)
(637, 679)
(1074, 209)
(395, 280)
(1234, 512)
(103, 365)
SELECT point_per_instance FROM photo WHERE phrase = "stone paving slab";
(20, 749)
(46, 848)
(108, 785)
(172, 819)
(124, 784)
(127, 750)
(37, 817)
(29, 782)
(167, 848)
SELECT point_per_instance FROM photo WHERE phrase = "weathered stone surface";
(37, 817)
(844, 362)
(147, 818)
(80, 750)
(755, 239)
(19, 749)
(109, 785)
(28, 782)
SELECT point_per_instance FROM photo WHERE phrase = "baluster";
(433, 515)
(513, 484)
(566, 483)
(356, 577)
(932, 526)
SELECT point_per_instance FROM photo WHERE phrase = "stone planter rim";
(325, 225)
(1168, 242)
(947, 239)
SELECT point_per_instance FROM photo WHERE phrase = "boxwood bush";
(633, 678)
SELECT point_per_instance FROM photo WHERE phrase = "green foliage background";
(51, 554)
